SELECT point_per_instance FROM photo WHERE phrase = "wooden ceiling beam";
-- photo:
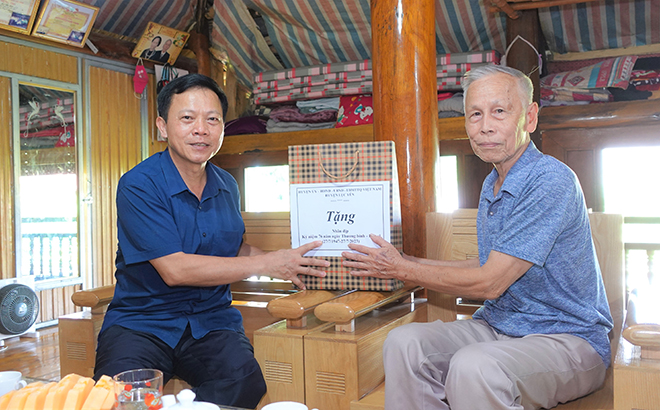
(511, 7)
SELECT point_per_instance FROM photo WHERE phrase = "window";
(49, 228)
(47, 189)
(267, 187)
(446, 190)
(630, 188)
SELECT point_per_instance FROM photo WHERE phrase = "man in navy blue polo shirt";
(180, 246)
(541, 337)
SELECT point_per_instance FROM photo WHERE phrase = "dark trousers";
(220, 367)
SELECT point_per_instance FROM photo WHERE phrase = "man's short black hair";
(182, 84)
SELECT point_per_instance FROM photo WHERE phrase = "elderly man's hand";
(383, 262)
(287, 264)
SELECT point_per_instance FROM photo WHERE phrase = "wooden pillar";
(522, 56)
(199, 44)
(405, 105)
(199, 40)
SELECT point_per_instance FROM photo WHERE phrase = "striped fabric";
(310, 32)
(354, 77)
(320, 91)
(467, 25)
(308, 81)
(236, 40)
(129, 18)
(601, 25)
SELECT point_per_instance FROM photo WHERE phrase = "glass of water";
(139, 389)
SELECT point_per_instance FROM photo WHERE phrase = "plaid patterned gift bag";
(347, 163)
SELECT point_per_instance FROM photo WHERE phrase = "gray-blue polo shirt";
(539, 215)
(156, 216)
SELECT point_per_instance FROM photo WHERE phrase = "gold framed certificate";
(18, 15)
(65, 21)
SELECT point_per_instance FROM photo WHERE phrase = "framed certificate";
(65, 21)
(160, 44)
(18, 15)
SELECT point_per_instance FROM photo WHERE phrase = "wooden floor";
(37, 358)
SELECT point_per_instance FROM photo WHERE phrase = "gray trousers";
(467, 365)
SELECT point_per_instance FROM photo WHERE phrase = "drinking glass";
(139, 389)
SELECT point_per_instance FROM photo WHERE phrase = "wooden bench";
(454, 236)
(637, 363)
(327, 351)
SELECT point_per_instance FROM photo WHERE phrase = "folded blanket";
(291, 113)
(569, 94)
(319, 104)
(273, 126)
(613, 72)
(454, 103)
(449, 114)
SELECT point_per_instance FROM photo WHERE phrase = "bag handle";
(350, 171)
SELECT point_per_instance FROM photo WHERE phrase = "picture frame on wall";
(160, 43)
(65, 21)
(18, 15)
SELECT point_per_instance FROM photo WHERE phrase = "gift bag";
(340, 193)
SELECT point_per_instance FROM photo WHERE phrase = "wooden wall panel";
(115, 126)
(471, 171)
(38, 63)
(7, 265)
(586, 164)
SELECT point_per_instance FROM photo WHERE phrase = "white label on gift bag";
(339, 214)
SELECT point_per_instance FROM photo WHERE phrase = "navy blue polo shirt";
(156, 216)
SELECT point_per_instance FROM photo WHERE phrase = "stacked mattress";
(354, 77)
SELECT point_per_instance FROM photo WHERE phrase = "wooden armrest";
(642, 326)
(349, 307)
(94, 298)
(643, 335)
(295, 306)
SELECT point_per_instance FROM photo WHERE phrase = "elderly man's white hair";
(524, 83)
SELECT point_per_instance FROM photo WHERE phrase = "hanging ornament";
(140, 79)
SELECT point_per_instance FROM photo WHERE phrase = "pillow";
(246, 125)
(355, 110)
(613, 72)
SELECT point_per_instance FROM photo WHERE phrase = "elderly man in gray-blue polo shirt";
(541, 337)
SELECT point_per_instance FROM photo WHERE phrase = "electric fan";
(19, 308)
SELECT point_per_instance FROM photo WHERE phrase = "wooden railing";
(649, 248)
(50, 256)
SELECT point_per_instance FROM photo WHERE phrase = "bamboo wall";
(6, 183)
(115, 144)
(45, 65)
(38, 63)
(56, 302)
(116, 147)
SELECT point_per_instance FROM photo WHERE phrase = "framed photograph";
(65, 21)
(160, 44)
(18, 15)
